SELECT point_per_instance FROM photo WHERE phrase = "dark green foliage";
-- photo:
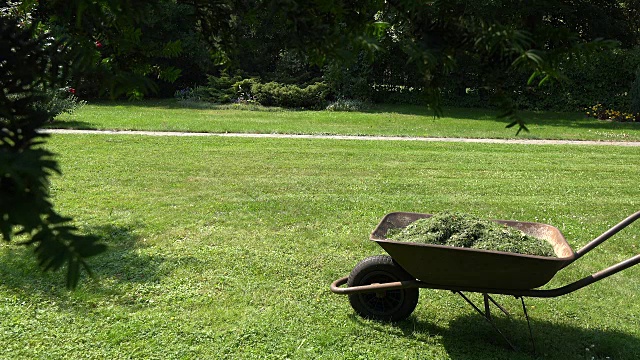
(604, 77)
(293, 68)
(220, 89)
(635, 94)
(60, 101)
(351, 79)
(243, 90)
(463, 230)
(32, 64)
(185, 56)
(291, 96)
(498, 53)
(110, 53)
(322, 30)
(128, 47)
(225, 89)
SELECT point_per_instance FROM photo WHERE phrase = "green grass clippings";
(463, 230)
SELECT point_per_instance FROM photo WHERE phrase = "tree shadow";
(530, 117)
(70, 124)
(471, 337)
(121, 263)
(190, 104)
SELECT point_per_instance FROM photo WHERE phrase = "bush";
(220, 89)
(290, 96)
(398, 95)
(347, 105)
(243, 90)
(60, 101)
(601, 113)
(184, 94)
(226, 89)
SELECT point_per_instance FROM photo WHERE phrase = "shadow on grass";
(542, 118)
(70, 124)
(189, 105)
(471, 337)
(575, 120)
(121, 263)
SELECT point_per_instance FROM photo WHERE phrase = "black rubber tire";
(390, 305)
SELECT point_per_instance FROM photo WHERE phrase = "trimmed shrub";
(226, 89)
(290, 96)
(243, 90)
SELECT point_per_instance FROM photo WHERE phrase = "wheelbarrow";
(385, 287)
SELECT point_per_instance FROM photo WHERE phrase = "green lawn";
(389, 120)
(224, 248)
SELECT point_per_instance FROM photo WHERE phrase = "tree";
(30, 64)
(159, 49)
(104, 42)
(43, 44)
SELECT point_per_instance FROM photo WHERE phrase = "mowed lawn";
(224, 248)
(386, 120)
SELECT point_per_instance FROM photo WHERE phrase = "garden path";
(345, 137)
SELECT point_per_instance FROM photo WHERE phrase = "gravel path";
(347, 137)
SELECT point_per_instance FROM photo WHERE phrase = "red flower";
(72, 90)
(98, 44)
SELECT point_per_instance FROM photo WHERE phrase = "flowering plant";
(601, 113)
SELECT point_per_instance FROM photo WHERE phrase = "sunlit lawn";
(225, 248)
(388, 120)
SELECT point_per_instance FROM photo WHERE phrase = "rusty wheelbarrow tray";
(386, 287)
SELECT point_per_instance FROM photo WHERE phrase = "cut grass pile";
(464, 230)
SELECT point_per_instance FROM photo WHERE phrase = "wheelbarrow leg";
(487, 308)
(486, 315)
(524, 309)
(487, 296)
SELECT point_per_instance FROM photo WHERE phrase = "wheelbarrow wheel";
(389, 305)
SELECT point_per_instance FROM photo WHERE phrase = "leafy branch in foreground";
(31, 64)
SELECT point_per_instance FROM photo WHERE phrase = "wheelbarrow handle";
(606, 235)
(584, 281)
